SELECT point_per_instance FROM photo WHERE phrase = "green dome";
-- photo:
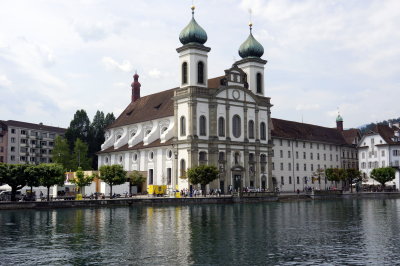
(339, 119)
(193, 33)
(251, 48)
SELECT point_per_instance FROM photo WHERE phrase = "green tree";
(32, 179)
(97, 130)
(137, 179)
(112, 175)
(80, 156)
(81, 180)
(61, 153)
(49, 175)
(79, 128)
(110, 118)
(335, 174)
(203, 175)
(352, 176)
(383, 175)
(13, 175)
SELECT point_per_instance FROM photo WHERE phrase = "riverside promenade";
(147, 200)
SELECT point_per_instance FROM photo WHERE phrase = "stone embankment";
(151, 201)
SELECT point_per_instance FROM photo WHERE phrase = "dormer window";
(148, 132)
(163, 130)
(118, 137)
(133, 134)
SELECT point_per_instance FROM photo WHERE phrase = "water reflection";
(339, 232)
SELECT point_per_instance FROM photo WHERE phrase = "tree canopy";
(383, 175)
(49, 175)
(335, 174)
(61, 153)
(112, 175)
(81, 180)
(14, 175)
(202, 174)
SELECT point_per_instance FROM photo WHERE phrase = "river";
(335, 232)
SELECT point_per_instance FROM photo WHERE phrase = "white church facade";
(223, 121)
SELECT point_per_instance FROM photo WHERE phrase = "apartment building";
(22, 142)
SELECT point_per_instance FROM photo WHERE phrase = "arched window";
(236, 126)
(221, 127)
(183, 126)
(183, 168)
(259, 83)
(184, 73)
(203, 125)
(251, 129)
(263, 131)
(200, 72)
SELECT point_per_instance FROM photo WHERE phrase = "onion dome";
(339, 118)
(193, 32)
(251, 47)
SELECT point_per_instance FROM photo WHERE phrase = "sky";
(323, 56)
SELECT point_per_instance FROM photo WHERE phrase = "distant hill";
(368, 127)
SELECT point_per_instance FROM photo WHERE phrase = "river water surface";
(337, 232)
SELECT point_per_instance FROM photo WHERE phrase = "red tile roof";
(301, 131)
(147, 108)
(351, 134)
(386, 132)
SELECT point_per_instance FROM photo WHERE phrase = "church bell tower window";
(184, 73)
(259, 83)
(200, 72)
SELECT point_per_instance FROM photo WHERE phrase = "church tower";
(193, 55)
(251, 51)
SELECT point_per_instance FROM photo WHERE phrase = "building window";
(169, 154)
(305, 167)
(202, 156)
(203, 125)
(13, 140)
(183, 168)
(183, 126)
(184, 73)
(169, 175)
(13, 131)
(297, 155)
(221, 156)
(282, 180)
(311, 156)
(12, 149)
(281, 153)
(12, 158)
(289, 166)
(288, 154)
(290, 180)
(297, 166)
(151, 155)
(221, 127)
(251, 129)
(259, 83)
(236, 126)
(263, 131)
(304, 155)
(383, 153)
(298, 180)
(150, 176)
(23, 132)
(200, 72)
(281, 166)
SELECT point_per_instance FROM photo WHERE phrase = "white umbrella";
(5, 187)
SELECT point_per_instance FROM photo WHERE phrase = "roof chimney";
(135, 87)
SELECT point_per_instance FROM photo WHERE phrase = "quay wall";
(190, 201)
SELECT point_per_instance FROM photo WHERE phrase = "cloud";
(4, 81)
(155, 73)
(313, 106)
(111, 64)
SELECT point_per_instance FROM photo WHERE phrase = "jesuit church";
(223, 121)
